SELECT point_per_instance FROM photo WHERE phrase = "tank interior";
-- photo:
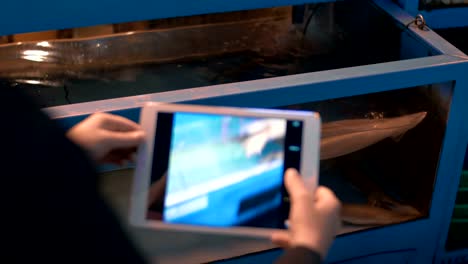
(379, 152)
(141, 58)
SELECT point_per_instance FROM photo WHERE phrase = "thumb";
(117, 140)
(281, 238)
(295, 185)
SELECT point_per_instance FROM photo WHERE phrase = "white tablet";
(220, 169)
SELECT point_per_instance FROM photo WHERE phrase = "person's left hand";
(107, 138)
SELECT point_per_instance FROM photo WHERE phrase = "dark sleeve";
(52, 211)
(299, 255)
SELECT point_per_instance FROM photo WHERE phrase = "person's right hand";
(314, 218)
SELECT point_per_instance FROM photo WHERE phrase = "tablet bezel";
(310, 151)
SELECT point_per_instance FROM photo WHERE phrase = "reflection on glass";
(44, 44)
(35, 55)
(109, 66)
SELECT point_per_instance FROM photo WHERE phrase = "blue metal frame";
(57, 14)
(327, 85)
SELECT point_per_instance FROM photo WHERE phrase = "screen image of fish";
(217, 161)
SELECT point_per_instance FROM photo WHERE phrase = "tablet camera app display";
(220, 171)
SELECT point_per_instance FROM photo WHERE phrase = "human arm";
(53, 211)
(313, 222)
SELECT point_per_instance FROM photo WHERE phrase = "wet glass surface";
(380, 152)
(333, 39)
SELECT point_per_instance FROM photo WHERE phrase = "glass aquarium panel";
(380, 152)
(201, 51)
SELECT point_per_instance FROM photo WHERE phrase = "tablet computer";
(220, 169)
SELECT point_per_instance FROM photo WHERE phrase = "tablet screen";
(221, 171)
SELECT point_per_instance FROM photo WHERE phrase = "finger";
(294, 185)
(118, 123)
(326, 199)
(122, 140)
(156, 191)
(281, 238)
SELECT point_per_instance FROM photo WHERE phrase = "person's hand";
(313, 218)
(107, 138)
(157, 191)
